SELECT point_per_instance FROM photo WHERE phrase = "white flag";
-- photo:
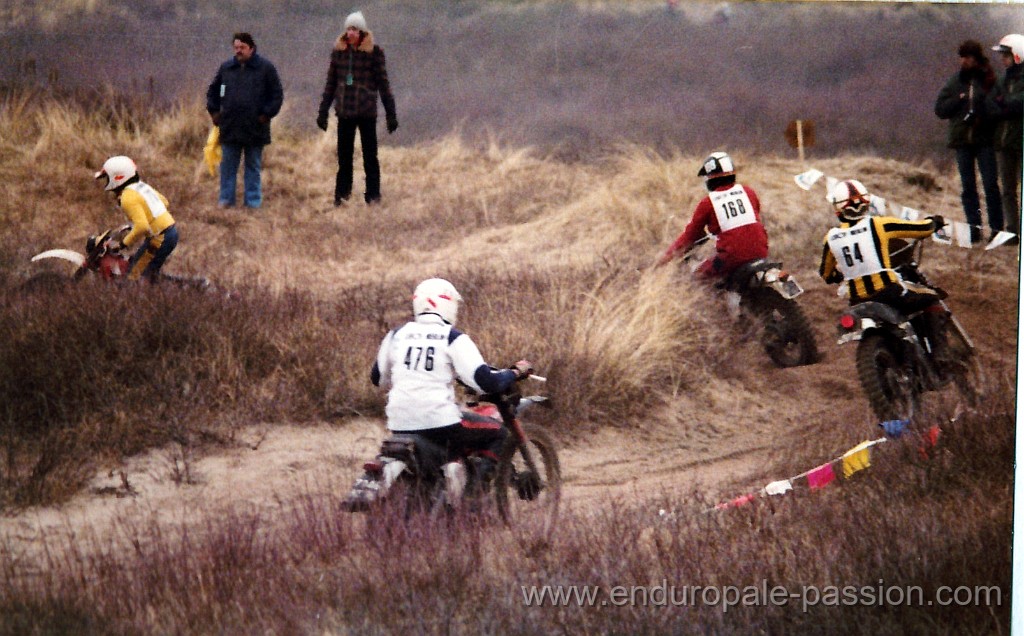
(830, 185)
(876, 207)
(999, 239)
(778, 487)
(962, 234)
(806, 179)
(909, 214)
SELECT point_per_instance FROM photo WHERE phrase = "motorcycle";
(896, 360)
(765, 291)
(101, 261)
(526, 486)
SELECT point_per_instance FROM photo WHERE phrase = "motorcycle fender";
(853, 336)
(67, 255)
(865, 324)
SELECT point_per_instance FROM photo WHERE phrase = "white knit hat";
(356, 20)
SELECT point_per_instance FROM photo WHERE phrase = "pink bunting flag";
(735, 503)
(821, 476)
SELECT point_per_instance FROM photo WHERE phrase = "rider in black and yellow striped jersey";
(150, 219)
(862, 251)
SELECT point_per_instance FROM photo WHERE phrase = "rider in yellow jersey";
(862, 251)
(146, 209)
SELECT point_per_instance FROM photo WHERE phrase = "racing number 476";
(424, 354)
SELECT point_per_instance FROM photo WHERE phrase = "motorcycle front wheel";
(887, 380)
(967, 373)
(528, 497)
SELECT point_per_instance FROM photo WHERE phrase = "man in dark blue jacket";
(243, 97)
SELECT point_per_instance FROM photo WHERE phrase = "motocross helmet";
(118, 171)
(850, 199)
(1012, 44)
(438, 297)
(717, 170)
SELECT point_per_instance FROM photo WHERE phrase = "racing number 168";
(734, 209)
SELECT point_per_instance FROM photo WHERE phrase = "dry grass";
(305, 568)
(546, 254)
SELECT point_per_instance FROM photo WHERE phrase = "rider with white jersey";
(419, 363)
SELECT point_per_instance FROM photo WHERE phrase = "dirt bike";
(761, 290)
(895, 352)
(768, 294)
(99, 260)
(526, 486)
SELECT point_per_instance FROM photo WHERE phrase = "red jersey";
(733, 214)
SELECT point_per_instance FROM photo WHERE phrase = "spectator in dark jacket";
(355, 76)
(243, 97)
(1009, 102)
(963, 102)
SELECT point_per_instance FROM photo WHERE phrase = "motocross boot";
(455, 479)
(481, 471)
(374, 485)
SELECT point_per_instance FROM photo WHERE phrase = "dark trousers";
(151, 255)
(1009, 178)
(985, 157)
(437, 446)
(367, 128)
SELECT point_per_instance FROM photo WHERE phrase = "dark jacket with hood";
(241, 93)
(963, 101)
(354, 79)
(1008, 101)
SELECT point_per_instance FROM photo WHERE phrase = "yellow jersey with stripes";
(861, 253)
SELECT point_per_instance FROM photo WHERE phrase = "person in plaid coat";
(355, 77)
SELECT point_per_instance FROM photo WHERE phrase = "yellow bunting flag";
(857, 458)
(211, 152)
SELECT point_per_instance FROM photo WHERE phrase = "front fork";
(522, 442)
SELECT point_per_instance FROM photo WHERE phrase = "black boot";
(481, 472)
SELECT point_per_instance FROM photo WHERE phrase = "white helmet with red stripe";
(438, 297)
(850, 199)
(1012, 44)
(118, 170)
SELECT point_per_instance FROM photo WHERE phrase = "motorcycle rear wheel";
(513, 480)
(786, 333)
(887, 380)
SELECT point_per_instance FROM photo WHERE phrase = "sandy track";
(715, 446)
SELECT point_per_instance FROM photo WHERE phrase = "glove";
(522, 368)
(392, 123)
(938, 221)
(321, 121)
(215, 118)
